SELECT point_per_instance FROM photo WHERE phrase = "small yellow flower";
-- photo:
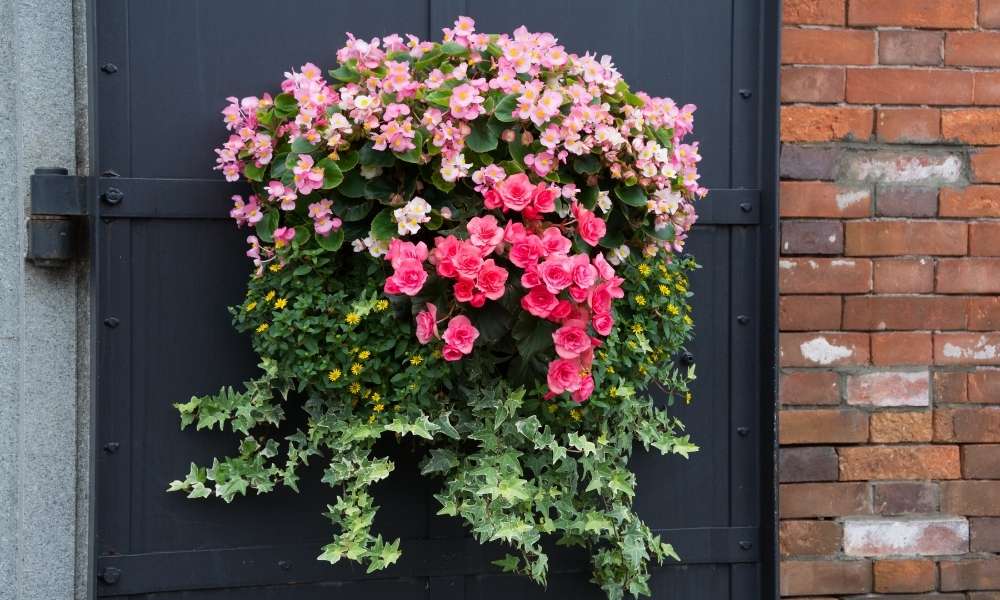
(274, 268)
(364, 355)
(553, 408)
(611, 369)
(645, 270)
(687, 398)
(381, 305)
(376, 397)
(280, 303)
(575, 414)
(352, 318)
(355, 388)
(416, 359)
(366, 394)
(687, 320)
(270, 296)
(637, 328)
(640, 300)
(262, 327)
(413, 388)
(613, 391)
(379, 407)
(371, 419)
(436, 354)
(250, 306)
(664, 289)
(334, 375)
(356, 369)
(672, 308)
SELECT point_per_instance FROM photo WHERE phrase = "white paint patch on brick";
(905, 168)
(930, 536)
(892, 388)
(842, 263)
(848, 199)
(981, 350)
(786, 264)
(822, 352)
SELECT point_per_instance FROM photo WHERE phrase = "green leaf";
(353, 185)
(384, 225)
(588, 196)
(533, 335)
(351, 211)
(441, 98)
(453, 49)
(347, 160)
(267, 225)
(332, 176)
(252, 172)
(370, 157)
(414, 154)
(509, 563)
(632, 195)
(441, 460)
(302, 146)
(588, 164)
(483, 138)
(440, 183)
(285, 105)
(331, 241)
(505, 108)
(346, 74)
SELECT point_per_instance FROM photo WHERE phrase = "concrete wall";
(44, 406)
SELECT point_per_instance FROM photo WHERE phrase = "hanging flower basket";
(510, 293)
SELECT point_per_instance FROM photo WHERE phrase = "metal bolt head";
(111, 322)
(743, 431)
(111, 447)
(113, 196)
(109, 68)
(110, 575)
(746, 545)
(746, 206)
(742, 319)
(284, 565)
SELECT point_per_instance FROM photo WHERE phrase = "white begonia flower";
(411, 215)
(618, 255)
(362, 102)
(359, 245)
(370, 172)
(604, 201)
(454, 168)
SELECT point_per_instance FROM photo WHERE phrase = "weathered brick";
(809, 313)
(978, 425)
(971, 201)
(822, 426)
(921, 48)
(797, 465)
(967, 348)
(984, 238)
(906, 201)
(809, 500)
(985, 534)
(904, 312)
(929, 14)
(970, 574)
(896, 576)
(824, 123)
(809, 388)
(968, 276)
(981, 461)
(827, 46)
(813, 12)
(897, 427)
(809, 538)
(985, 164)
(944, 424)
(864, 463)
(889, 238)
(902, 166)
(972, 48)
(909, 86)
(902, 125)
(812, 84)
(971, 596)
(890, 388)
(902, 348)
(904, 276)
(808, 162)
(824, 275)
(972, 498)
(984, 313)
(905, 497)
(987, 91)
(812, 237)
(989, 13)
(813, 577)
(984, 387)
(823, 350)
(979, 126)
(822, 199)
(950, 387)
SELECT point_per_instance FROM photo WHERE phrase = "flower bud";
(527, 138)
(507, 135)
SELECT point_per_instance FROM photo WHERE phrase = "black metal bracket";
(58, 203)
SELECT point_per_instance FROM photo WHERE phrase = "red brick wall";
(890, 314)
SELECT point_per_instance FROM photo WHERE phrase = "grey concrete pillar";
(44, 448)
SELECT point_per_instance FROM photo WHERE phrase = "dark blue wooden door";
(167, 262)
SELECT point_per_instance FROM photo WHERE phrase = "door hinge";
(58, 205)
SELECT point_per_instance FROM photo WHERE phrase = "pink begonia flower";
(603, 323)
(554, 242)
(585, 391)
(467, 261)
(484, 232)
(491, 280)
(459, 337)
(321, 214)
(539, 302)
(515, 191)
(571, 340)
(399, 249)
(561, 312)
(283, 236)
(427, 324)
(408, 278)
(604, 268)
(584, 273)
(307, 176)
(564, 375)
(445, 249)
(464, 290)
(603, 294)
(590, 227)
(556, 273)
(544, 199)
(526, 251)
(465, 102)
